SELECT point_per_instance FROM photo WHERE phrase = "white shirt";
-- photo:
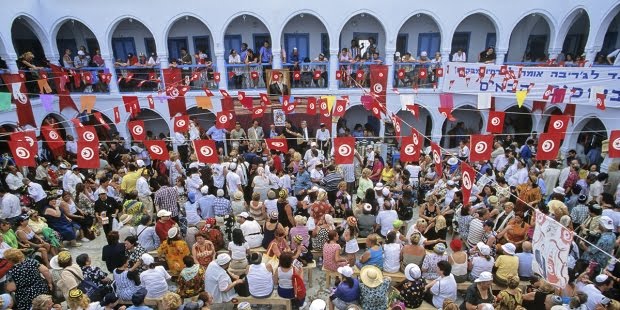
(71, 147)
(216, 281)
(194, 133)
(551, 176)
(444, 288)
(464, 152)
(252, 233)
(179, 139)
(391, 261)
(385, 219)
(233, 181)
(594, 294)
(322, 135)
(461, 58)
(143, 188)
(500, 162)
(36, 191)
(155, 281)
(72, 180)
(255, 134)
(564, 175)
(616, 54)
(316, 174)
(238, 251)
(14, 181)
(193, 184)
(10, 206)
(305, 133)
(348, 171)
(520, 177)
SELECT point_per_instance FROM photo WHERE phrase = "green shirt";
(11, 238)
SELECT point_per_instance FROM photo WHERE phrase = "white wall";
(246, 29)
(531, 25)
(414, 26)
(310, 25)
(478, 26)
(363, 24)
(136, 30)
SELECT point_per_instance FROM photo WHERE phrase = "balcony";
(148, 79)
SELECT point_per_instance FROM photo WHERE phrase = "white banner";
(504, 81)
(551, 246)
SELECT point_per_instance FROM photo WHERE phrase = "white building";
(116, 28)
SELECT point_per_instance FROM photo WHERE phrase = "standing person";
(323, 139)
(106, 209)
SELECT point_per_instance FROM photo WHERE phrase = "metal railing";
(79, 80)
(138, 78)
(245, 76)
(416, 75)
(308, 74)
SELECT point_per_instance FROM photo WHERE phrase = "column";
(11, 62)
(221, 68)
(389, 61)
(163, 61)
(501, 55)
(554, 52)
(109, 63)
(445, 55)
(591, 54)
(54, 59)
(276, 60)
(333, 67)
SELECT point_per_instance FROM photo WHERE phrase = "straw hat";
(371, 276)
(238, 195)
(125, 218)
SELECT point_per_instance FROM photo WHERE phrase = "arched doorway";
(535, 30)
(74, 35)
(592, 132)
(547, 117)
(103, 133)
(205, 118)
(424, 124)
(357, 116)
(155, 125)
(578, 24)
(419, 33)
(133, 42)
(27, 38)
(609, 36)
(468, 121)
(518, 121)
(5, 136)
(474, 34)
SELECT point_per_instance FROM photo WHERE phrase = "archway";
(474, 34)
(358, 115)
(192, 34)
(577, 35)
(364, 31)
(74, 35)
(468, 121)
(27, 37)
(424, 124)
(5, 135)
(131, 37)
(103, 133)
(518, 122)
(611, 38)
(419, 33)
(154, 124)
(535, 30)
(205, 118)
(592, 132)
(547, 117)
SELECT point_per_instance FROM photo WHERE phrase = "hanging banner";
(551, 246)
(536, 79)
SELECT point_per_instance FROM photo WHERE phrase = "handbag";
(274, 261)
(299, 286)
(89, 288)
(5, 265)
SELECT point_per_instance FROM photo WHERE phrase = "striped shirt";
(331, 180)
(476, 230)
(348, 170)
(166, 198)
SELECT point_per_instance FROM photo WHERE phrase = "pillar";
(221, 68)
(500, 55)
(389, 61)
(333, 67)
(109, 64)
(11, 62)
(591, 54)
(276, 60)
(554, 52)
(163, 61)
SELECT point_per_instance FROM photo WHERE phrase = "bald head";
(527, 246)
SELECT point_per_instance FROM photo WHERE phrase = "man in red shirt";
(164, 223)
(277, 161)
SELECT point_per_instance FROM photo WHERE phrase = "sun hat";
(318, 304)
(385, 191)
(298, 239)
(147, 259)
(125, 218)
(273, 215)
(173, 232)
(367, 207)
(162, 213)
(238, 195)
(412, 272)
(606, 222)
(54, 263)
(371, 276)
(484, 249)
(439, 248)
(346, 271)
(244, 215)
(75, 293)
(223, 259)
(283, 193)
(484, 276)
(493, 200)
(101, 191)
(452, 161)
(379, 186)
(509, 248)
(140, 163)
(64, 257)
(204, 189)
(559, 190)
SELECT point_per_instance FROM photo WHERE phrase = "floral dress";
(321, 238)
(508, 301)
(204, 254)
(135, 255)
(374, 298)
(191, 281)
(174, 252)
(29, 283)
(134, 208)
(413, 292)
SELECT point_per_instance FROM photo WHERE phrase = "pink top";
(329, 256)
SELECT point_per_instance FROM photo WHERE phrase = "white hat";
(74, 167)
(244, 215)
(450, 183)
(204, 189)
(223, 259)
(80, 53)
(453, 161)
(385, 191)
(62, 166)
(423, 53)
(367, 207)
(317, 304)
(559, 190)
(220, 192)
(140, 163)
(601, 278)
(484, 249)
(509, 248)
(607, 222)
(313, 144)
(147, 259)
(101, 191)
(379, 186)
(345, 271)
(484, 276)
(412, 272)
(173, 232)
(232, 167)
(162, 213)
(54, 263)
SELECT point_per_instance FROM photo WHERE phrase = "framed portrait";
(279, 82)
(279, 118)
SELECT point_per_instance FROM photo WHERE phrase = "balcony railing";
(245, 76)
(136, 78)
(308, 74)
(82, 80)
(416, 75)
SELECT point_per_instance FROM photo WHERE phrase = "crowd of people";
(201, 236)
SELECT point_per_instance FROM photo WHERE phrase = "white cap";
(559, 190)
(147, 259)
(484, 276)
(220, 193)
(606, 222)
(484, 249)
(140, 163)
(204, 189)
(62, 166)
(81, 53)
(163, 212)
(313, 143)
(232, 167)
(509, 248)
(601, 278)
(423, 53)
(223, 259)
(385, 191)
(450, 183)
(244, 215)
(74, 167)
(379, 186)
(345, 271)
(412, 272)
(317, 304)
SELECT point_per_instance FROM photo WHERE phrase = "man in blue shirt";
(205, 203)
(526, 152)
(265, 53)
(218, 135)
(243, 53)
(137, 299)
(302, 181)
(525, 261)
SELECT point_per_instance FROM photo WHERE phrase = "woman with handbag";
(283, 278)
(71, 275)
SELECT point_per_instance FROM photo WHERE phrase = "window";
(121, 47)
(609, 43)
(536, 47)
(325, 44)
(232, 41)
(64, 44)
(299, 40)
(149, 44)
(175, 45)
(491, 39)
(202, 43)
(259, 40)
(429, 42)
(401, 43)
(92, 45)
(460, 40)
(363, 40)
(573, 44)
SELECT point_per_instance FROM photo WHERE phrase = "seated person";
(374, 255)
(412, 289)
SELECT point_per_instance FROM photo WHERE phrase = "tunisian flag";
(100, 119)
(87, 134)
(64, 99)
(136, 128)
(157, 149)
(614, 144)
(206, 151)
(378, 82)
(278, 144)
(436, 155)
(15, 83)
(548, 146)
(344, 150)
(496, 122)
(481, 148)
(88, 154)
(558, 124)
(311, 108)
(29, 137)
(53, 139)
(340, 108)
(22, 154)
(410, 147)
(181, 123)
(468, 178)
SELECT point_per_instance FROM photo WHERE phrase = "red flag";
(231, 74)
(157, 149)
(29, 137)
(317, 74)
(136, 128)
(495, 124)
(20, 98)
(436, 155)
(151, 101)
(481, 147)
(600, 101)
(87, 134)
(275, 75)
(558, 95)
(130, 102)
(548, 146)
(88, 77)
(411, 146)
(401, 74)
(117, 115)
(206, 151)
(88, 154)
(22, 154)
(288, 105)
(195, 76)
(376, 109)
(254, 75)
(53, 139)
(296, 75)
(264, 99)
(177, 106)
(181, 123)
(222, 119)
(446, 100)
(323, 109)
(172, 76)
(311, 108)
(397, 126)
(539, 105)
(468, 178)
(461, 72)
(439, 72)
(481, 72)
(247, 103)
(367, 101)
(258, 112)
(503, 70)
(447, 113)
(216, 77)
(359, 75)
(100, 119)
(208, 92)
(414, 109)
(422, 73)
(338, 75)
(76, 123)
(344, 150)
(614, 144)
(340, 108)
(558, 124)
(278, 144)
(378, 82)
(570, 111)
(240, 95)
(547, 92)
